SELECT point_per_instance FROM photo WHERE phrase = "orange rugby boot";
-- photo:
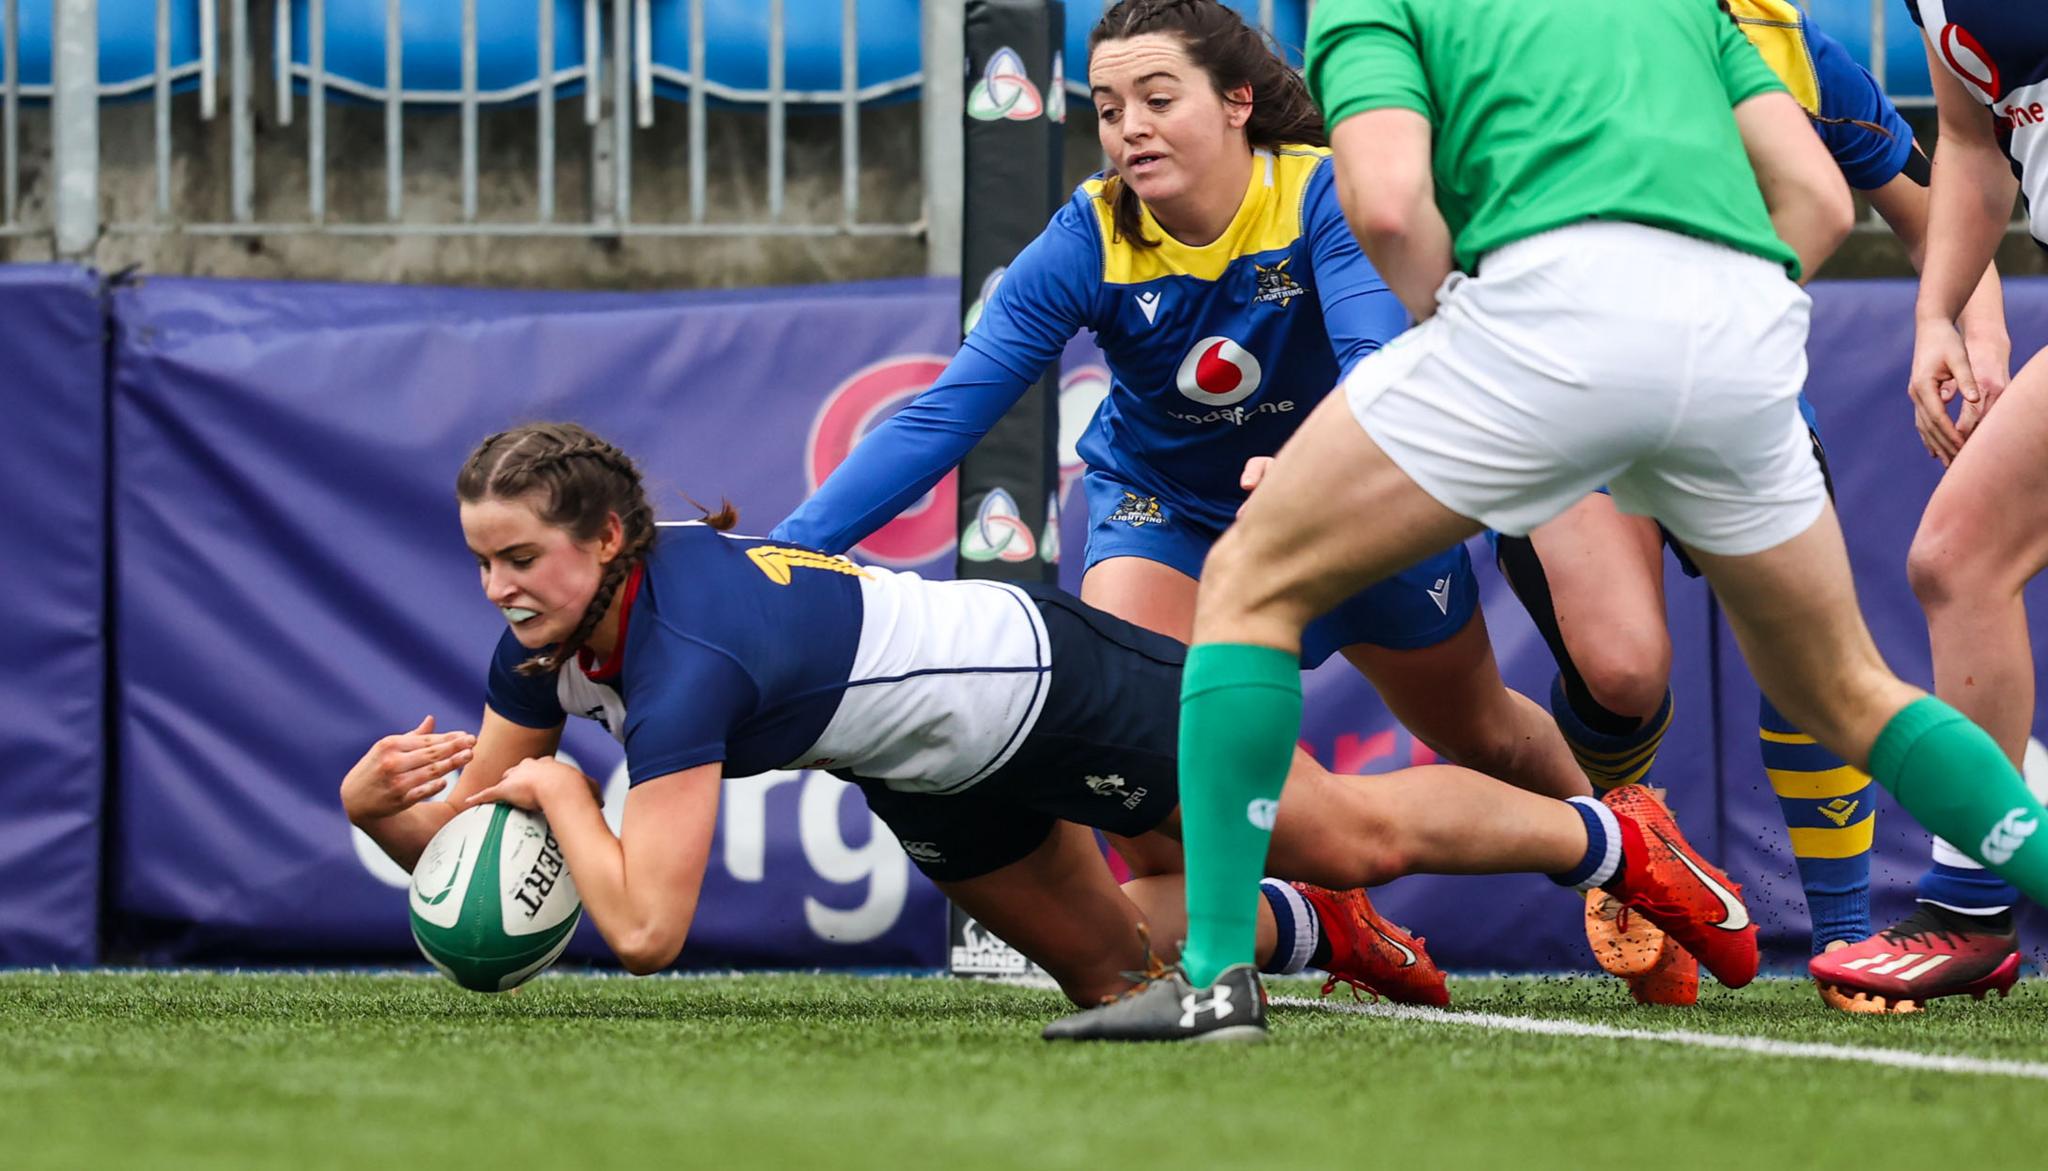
(1369, 952)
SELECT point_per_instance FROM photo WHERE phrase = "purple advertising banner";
(293, 583)
(52, 735)
(290, 583)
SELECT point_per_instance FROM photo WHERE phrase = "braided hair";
(1234, 55)
(576, 482)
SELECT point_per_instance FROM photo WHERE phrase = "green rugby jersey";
(1548, 112)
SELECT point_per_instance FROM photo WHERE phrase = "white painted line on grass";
(1762, 1046)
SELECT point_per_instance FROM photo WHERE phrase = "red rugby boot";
(1664, 879)
(1369, 952)
(1929, 955)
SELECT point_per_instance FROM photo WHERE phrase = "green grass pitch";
(394, 1071)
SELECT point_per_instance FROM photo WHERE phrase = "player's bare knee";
(1628, 679)
(1945, 571)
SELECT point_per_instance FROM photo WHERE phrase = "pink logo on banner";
(925, 529)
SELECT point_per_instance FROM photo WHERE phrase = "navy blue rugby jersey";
(764, 655)
(1216, 353)
(1998, 49)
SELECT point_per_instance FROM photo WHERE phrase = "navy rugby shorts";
(1421, 606)
(1102, 753)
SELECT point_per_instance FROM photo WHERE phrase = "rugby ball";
(492, 901)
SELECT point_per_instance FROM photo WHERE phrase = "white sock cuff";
(1947, 855)
(1302, 918)
(1611, 861)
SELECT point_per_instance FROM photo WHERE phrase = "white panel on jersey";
(2026, 111)
(947, 681)
(593, 701)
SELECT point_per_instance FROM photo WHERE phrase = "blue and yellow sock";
(1611, 757)
(1830, 815)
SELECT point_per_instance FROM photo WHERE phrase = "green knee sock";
(1240, 712)
(1950, 775)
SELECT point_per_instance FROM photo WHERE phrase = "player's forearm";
(1412, 252)
(1968, 206)
(645, 934)
(404, 836)
(1983, 316)
(1813, 231)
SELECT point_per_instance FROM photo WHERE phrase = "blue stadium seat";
(1290, 29)
(1848, 21)
(127, 46)
(736, 49)
(508, 49)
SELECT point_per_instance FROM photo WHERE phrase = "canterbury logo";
(1262, 812)
(778, 563)
(1884, 963)
(1737, 915)
(1218, 1005)
(2006, 838)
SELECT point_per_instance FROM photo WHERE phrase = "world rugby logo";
(1218, 373)
(1005, 91)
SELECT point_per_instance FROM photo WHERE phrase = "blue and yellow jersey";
(764, 655)
(1216, 353)
(1861, 127)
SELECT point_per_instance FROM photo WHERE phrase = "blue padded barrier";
(127, 46)
(736, 49)
(430, 69)
(1848, 21)
(1290, 30)
(53, 470)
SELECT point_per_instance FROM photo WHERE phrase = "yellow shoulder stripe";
(1778, 30)
(1268, 220)
(778, 563)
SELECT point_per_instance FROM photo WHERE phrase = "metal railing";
(618, 78)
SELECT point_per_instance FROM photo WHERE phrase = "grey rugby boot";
(1168, 1008)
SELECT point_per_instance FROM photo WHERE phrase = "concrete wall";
(890, 191)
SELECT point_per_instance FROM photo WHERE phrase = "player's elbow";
(648, 950)
(1382, 214)
(1836, 211)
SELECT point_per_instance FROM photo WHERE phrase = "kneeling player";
(982, 720)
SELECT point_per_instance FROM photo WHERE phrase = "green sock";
(1950, 775)
(1240, 712)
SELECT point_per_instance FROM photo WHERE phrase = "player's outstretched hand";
(400, 771)
(523, 783)
(1941, 368)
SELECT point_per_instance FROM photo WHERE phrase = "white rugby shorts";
(1664, 366)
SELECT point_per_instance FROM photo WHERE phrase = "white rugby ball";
(492, 901)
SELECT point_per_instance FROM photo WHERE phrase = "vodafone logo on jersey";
(1971, 63)
(1218, 373)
